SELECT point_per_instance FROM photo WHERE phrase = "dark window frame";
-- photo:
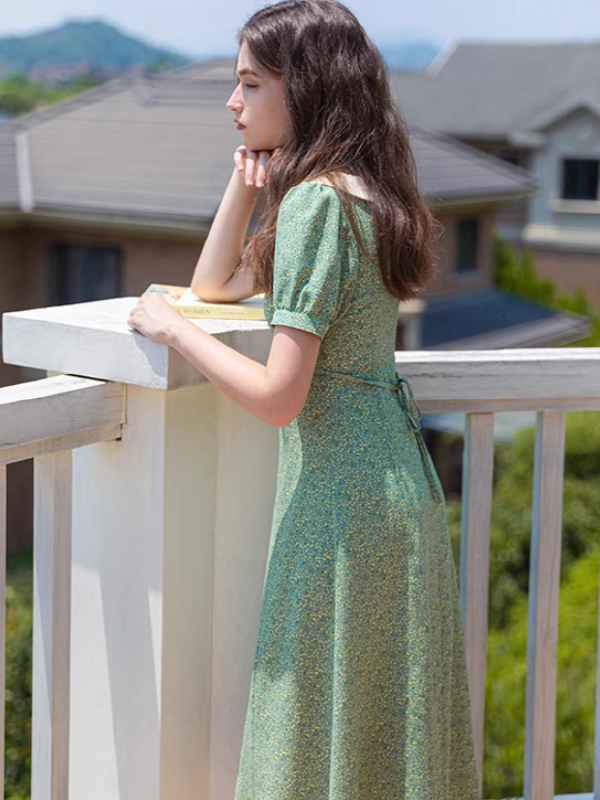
(76, 272)
(580, 179)
(466, 255)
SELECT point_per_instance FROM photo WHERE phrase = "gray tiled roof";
(162, 147)
(157, 147)
(215, 69)
(449, 171)
(9, 188)
(490, 91)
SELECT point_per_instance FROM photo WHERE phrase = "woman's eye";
(249, 85)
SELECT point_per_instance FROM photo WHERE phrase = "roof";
(214, 69)
(499, 91)
(161, 148)
(449, 171)
(155, 147)
(494, 319)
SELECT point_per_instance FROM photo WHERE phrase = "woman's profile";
(359, 683)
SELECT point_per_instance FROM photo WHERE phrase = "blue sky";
(208, 26)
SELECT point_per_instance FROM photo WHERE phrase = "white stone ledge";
(93, 340)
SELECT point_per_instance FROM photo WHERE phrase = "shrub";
(19, 628)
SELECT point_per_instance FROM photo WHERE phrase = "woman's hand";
(252, 165)
(155, 319)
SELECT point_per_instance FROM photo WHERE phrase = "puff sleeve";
(308, 274)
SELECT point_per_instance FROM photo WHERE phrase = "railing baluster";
(478, 469)
(51, 626)
(544, 580)
(2, 612)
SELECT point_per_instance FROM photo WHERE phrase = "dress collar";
(352, 184)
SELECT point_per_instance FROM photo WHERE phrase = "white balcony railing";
(46, 420)
(153, 497)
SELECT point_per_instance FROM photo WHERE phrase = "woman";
(359, 688)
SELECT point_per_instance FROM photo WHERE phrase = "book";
(183, 300)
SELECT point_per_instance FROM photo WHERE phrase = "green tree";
(576, 668)
(18, 95)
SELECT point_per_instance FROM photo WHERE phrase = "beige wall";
(16, 292)
(19, 288)
(570, 270)
(448, 281)
(514, 214)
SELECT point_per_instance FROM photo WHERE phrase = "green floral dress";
(359, 685)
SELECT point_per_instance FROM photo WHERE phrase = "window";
(466, 244)
(78, 274)
(580, 178)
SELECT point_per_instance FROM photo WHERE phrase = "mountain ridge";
(95, 44)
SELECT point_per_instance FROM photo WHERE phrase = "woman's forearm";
(226, 237)
(240, 378)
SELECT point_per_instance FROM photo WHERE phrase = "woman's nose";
(235, 102)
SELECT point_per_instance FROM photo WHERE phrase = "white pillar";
(171, 527)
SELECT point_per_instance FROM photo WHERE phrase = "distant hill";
(79, 45)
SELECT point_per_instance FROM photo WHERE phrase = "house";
(538, 107)
(116, 188)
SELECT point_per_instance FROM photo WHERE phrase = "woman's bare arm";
(214, 279)
(275, 393)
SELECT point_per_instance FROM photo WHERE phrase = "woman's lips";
(240, 127)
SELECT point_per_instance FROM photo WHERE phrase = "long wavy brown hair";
(343, 119)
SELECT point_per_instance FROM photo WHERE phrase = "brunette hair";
(343, 119)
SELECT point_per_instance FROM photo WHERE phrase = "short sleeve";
(309, 254)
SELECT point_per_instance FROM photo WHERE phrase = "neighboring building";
(536, 106)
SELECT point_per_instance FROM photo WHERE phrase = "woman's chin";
(257, 144)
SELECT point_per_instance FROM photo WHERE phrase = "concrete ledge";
(93, 340)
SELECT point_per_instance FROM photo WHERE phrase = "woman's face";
(258, 104)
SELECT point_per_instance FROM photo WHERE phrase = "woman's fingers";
(251, 158)
(238, 158)
(261, 170)
(253, 165)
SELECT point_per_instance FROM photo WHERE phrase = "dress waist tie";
(401, 386)
(408, 403)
